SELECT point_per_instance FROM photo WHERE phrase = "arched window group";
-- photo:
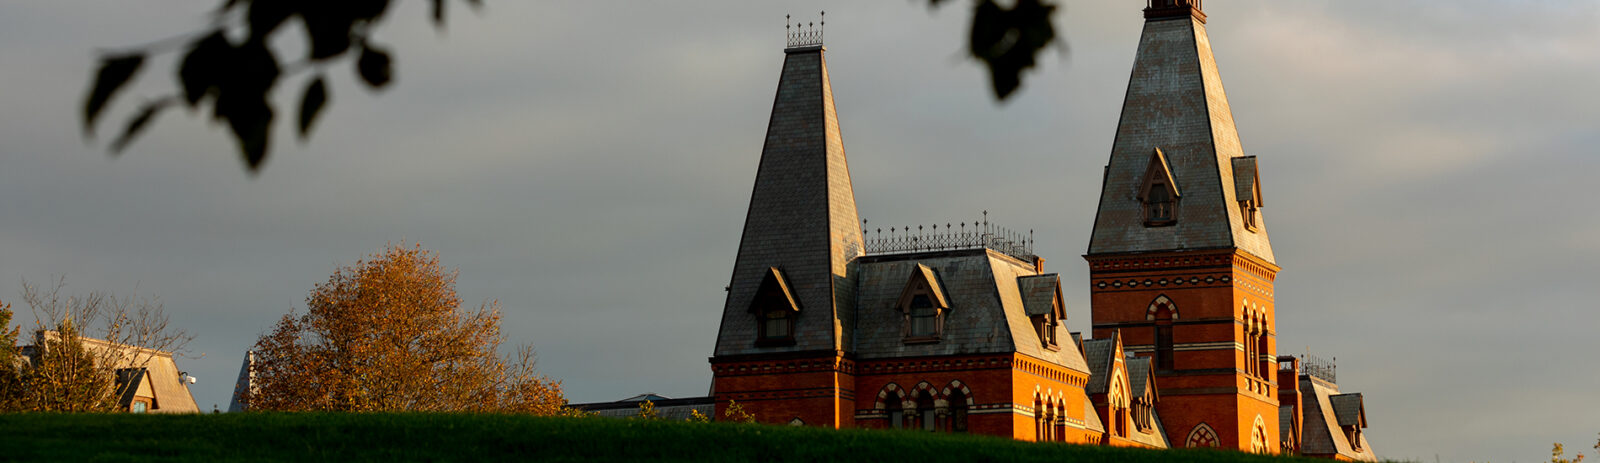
(926, 408)
(1258, 357)
(1050, 417)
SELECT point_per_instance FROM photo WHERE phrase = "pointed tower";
(792, 296)
(1179, 258)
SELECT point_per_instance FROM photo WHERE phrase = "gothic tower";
(1179, 257)
(781, 349)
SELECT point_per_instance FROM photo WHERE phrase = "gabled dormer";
(923, 305)
(1042, 301)
(1247, 191)
(1158, 192)
(776, 309)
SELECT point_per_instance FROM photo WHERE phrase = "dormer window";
(1247, 190)
(777, 325)
(1046, 326)
(775, 310)
(924, 317)
(1042, 302)
(923, 304)
(1158, 193)
(1158, 205)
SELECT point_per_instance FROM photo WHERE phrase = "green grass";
(462, 437)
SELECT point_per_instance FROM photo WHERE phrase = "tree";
(70, 372)
(10, 369)
(234, 74)
(389, 333)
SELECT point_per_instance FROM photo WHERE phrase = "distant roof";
(986, 313)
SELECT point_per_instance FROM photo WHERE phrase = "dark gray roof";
(1039, 293)
(1286, 422)
(1175, 102)
(1138, 375)
(1097, 353)
(802, 217)
(245, 382)
(128, 380)
(985, 313)
(666, 408)
(1348, 409)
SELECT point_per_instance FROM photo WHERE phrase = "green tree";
(234, 74)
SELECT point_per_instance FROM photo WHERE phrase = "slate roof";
(1321, 432)
(1348, 410)
(1175, 102)
(1097, 353)
(802, 217)
(1138, 375)
(246, 382)
(1039, 293)
(985, 315)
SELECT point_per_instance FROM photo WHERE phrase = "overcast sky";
(588, 165)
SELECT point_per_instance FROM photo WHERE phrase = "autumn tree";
(10, 364)
(80, 341)
(389, 333)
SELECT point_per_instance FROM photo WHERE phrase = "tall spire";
(801, 232)
(1177, 134)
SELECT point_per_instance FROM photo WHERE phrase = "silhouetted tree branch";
(228, 67)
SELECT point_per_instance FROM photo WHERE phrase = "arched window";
(958, 411)
(925, 412)
(1201, 436)
(1163, 311)
(1258, 437)
(897, 414)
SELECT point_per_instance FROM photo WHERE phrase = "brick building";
(960, 329)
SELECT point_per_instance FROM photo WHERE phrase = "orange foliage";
(388, 333)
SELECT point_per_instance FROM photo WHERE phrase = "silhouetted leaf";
(137, 124)
(329, 31)
(201, 67)
(266, 15)
(438, 13)
(251, 122)
(311, 105)
(115, 72)
(374, 66)
(1007, 41)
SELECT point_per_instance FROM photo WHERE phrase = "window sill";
(922, 339)
(1160, 223)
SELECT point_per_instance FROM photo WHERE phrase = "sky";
(588, 164)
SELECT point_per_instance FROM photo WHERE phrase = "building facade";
(960, 329)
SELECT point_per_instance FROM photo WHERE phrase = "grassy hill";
(462, 437)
